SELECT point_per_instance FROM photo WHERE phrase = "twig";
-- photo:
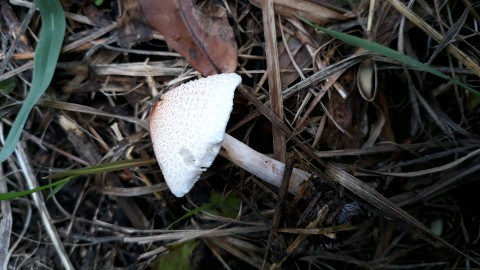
(39, 202)
(265, 168)
(6, 213)
(274, 82)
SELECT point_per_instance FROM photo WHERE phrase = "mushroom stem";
(265, 168)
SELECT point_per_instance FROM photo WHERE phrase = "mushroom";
(187, 127)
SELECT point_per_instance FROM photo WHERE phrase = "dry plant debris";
(379, 161)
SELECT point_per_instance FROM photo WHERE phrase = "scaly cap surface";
(187, 126)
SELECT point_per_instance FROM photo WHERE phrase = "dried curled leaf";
(206, 40)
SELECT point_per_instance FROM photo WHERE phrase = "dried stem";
(265, 168)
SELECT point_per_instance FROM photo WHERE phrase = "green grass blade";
(69, 175)
(58, 187)
(12, 195)
(389, 53)
(190, 213)
(228, 205)
(105, 167)
(46, 56)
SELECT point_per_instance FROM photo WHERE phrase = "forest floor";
(384, 144)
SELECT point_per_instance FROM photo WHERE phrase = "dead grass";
(336, 112)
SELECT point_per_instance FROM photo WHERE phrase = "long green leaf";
(389, 53)
(72, 174)
(12, 195)
(104, 167)
(46, 56)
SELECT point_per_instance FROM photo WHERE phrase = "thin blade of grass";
(58, 187)
(189, 214)
(46, 56)
(13, 195)
(104, 167)
(389, 53)
(69, 175)
(450, 35)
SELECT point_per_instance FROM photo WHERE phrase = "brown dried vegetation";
(392, 151)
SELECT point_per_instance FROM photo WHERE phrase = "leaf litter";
(388, 152)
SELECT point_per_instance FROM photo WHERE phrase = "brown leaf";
(206, 40)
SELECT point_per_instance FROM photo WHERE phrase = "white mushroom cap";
(187, 126)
